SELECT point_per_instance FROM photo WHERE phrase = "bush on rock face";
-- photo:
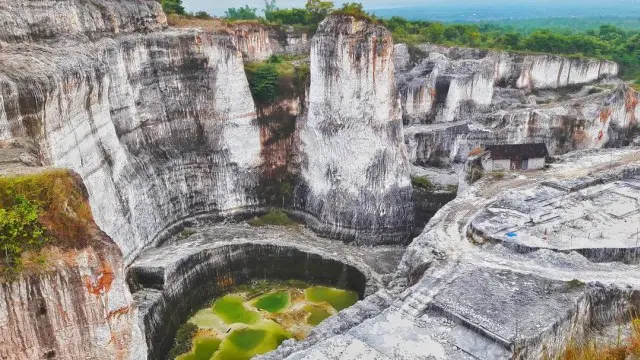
(40, 209)
(20, 231)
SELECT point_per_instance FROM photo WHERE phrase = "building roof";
(518, 151)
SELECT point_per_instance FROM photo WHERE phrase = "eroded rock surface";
(182, 275)
(353, 113)
(78, 305)
(457, 99)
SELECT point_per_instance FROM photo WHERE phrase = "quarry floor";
(481, 293)
(477, 300)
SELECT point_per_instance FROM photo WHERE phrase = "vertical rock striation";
(161, 126)
(354, 169)
(77, 307)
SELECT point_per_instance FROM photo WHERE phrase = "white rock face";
(457, 99)
(78, 306)
(355, 169)
(453, 84)
(161, 127)
(258, 42)
(68, 315)
(552, 72)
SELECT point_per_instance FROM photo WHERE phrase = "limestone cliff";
(76, 304)
(354, 168)
(456, 99)
(161, 126)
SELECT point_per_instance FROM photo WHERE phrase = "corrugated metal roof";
(518, 151)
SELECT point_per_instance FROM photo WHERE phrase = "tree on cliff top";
(318, 10)
(241, 13)
(172, 6)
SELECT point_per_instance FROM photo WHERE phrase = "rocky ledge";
(190, 269)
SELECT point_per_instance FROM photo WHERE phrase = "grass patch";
(184, 340)
(47, 208)
(204, 348)
(475, 173)
(277, 77)
(496, 174)
(273, 218)
(422, 182)
(622, 349)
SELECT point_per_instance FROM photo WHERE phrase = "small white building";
(514, 157)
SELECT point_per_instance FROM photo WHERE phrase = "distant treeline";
(605, 42)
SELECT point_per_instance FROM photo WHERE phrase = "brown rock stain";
(102, 283)
(605, 114)
(118, 312)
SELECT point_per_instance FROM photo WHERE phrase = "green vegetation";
(355, 9)
(20, 231)
(259, 287)
(622, 348)
(40, 209)
(422, 182)
(607, 42)
(241, 13)
(172, 6)
(338, 299)
(496, 174)
(273, 302)
(575, 284)
(184, 340)
(203, 349)
(231, 309)
(274, 217)
(276, 78)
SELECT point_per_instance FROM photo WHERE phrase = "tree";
(202, 15)
(172, 7)
(270, 6)
(288, 16)
(318, 10)
(241, 13)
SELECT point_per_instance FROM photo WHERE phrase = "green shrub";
(274, 217)
(172, 6)
(263, 81)
(422, 182)
(475, 174)
(452, 188)
(20, 231)
(356, 10)
(496, 174)
(38, 209)
(241, 13)
(184, 340)
(275, 78)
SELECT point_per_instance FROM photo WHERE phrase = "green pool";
(241, 325)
